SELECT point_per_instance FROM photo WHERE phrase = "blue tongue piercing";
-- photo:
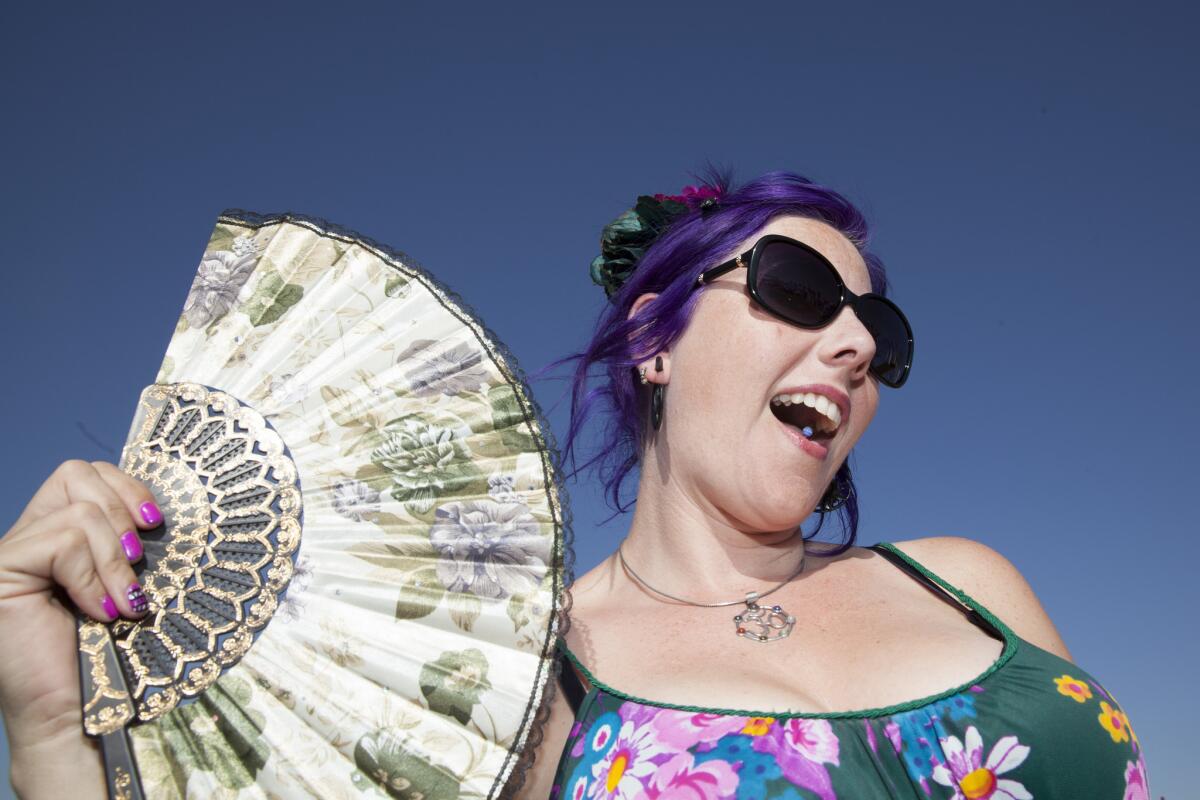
(807, 431)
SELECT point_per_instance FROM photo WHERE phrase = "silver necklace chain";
(750, 599)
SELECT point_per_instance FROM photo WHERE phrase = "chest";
(853, 646)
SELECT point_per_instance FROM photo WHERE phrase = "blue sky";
(1030, 173)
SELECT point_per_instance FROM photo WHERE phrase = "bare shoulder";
(990, 578)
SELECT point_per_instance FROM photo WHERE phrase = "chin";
(781, 516)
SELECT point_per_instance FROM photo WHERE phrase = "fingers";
(138, 499)
(125, 502)
(77, 549)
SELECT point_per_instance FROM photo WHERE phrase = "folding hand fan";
(360, 575)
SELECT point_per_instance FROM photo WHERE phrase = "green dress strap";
(962, 596)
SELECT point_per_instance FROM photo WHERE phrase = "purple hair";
(691, 244)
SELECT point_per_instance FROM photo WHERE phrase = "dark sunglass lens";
(893, 341)
(797, 284)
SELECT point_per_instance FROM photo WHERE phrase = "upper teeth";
(818, 401)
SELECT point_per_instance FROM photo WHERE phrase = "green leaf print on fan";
(345, 409)
(271, 299)
(518, 610)
(407, 558)
(383, 758)
(400, 553)
(422, 461)
(396, 285)
(454, 681)
(231, 760)
(509, 420)
(422, 593)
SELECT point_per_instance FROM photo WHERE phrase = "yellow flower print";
(757, 726)
(1114, 721)
(1128, 726)
(1073, 688)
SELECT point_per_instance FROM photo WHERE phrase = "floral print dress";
(1032, 725)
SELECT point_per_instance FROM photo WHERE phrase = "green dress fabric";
(1033, 725)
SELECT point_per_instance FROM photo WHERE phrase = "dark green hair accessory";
(626, 238)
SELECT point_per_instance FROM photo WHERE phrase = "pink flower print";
(623, 772)
(801, 746)
(601, 736)
(638, 713)
(974, 779)
(681, 779)
(579, 788)
(814, 738)
(680, 730)
(577, 748)
(1137, 786)
(871, 736)
(892, 731)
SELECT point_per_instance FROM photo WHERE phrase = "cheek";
(724, 373)
(865, 407)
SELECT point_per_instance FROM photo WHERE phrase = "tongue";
(802, 417)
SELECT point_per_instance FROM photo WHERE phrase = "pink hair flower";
(691, 195)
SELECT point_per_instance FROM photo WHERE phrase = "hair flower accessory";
(625, 239)
(691, 195)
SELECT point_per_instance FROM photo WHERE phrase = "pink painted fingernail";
(137, 599)
(151, 514)
(132, 545)
(110, 608)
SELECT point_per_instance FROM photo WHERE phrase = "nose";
(846, 343)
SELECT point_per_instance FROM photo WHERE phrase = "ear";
(640, 303)
(648, 364)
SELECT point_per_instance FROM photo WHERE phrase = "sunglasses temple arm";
(717, 271)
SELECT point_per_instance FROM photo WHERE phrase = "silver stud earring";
(642, 373)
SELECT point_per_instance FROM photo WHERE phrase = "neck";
(680, 545)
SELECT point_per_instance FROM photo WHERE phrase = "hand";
(77, 539)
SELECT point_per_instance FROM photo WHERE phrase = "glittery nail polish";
(132, 545)
(151, 514)
(137, 599)
(110, 608)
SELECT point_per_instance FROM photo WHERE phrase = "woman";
(732, 468)
(732, 459)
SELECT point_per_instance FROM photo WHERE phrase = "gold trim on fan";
(234, 509)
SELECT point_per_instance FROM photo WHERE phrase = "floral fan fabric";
(410, 650)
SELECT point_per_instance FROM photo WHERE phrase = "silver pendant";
(773, 622)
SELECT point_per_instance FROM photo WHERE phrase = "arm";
(540, 778)
(991, 579)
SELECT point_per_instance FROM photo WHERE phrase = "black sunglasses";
(796, 283)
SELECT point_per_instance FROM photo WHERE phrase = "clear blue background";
(1031, 172)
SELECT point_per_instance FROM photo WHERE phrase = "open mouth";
(815, 416)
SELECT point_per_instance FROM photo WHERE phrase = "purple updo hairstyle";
(695, 241)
